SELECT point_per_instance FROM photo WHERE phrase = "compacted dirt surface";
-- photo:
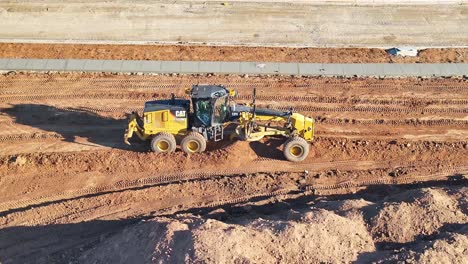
(259, 23)
(226, 53)
(385, 179)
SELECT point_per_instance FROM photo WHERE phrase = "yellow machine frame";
(301, 126)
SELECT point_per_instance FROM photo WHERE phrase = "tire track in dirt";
(361, 109)
(317, 189)
(258, 166)
(6, 96)
(174, 81)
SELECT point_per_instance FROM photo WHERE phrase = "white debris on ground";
(403, 51)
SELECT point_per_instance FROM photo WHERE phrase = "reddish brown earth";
(72, 191)
(327, 230)
(226, 53)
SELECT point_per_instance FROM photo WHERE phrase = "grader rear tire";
(193, 142)
(296, 149)
(163, 142)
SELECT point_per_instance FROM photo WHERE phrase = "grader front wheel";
(296, 149)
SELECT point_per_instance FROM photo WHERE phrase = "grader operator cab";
(205, 117)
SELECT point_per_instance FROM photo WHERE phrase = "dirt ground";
(379, 231)
(388, 155)
(287, 24)
(225, 53)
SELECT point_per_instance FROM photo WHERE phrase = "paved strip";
(219, 67)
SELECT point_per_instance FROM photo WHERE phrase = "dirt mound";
(159, 240)
(404, 217)
(448, 248)
(316, 236)
(312, 238)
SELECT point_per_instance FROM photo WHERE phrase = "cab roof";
(209, 91)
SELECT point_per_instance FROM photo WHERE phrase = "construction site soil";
(225, 53)
(385, 180)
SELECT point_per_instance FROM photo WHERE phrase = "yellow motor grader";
(205, 117)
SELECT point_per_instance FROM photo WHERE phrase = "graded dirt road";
(258, 24)
(63, 163)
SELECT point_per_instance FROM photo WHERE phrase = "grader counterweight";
(204, 118)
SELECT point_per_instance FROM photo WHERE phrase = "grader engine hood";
(159, 116)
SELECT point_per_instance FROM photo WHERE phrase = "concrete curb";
(204, 67)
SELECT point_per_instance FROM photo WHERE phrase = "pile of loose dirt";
(225, 53)
(141, 243)
(416, 213)
(423, 225)
(310, 238)
(449, 247)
